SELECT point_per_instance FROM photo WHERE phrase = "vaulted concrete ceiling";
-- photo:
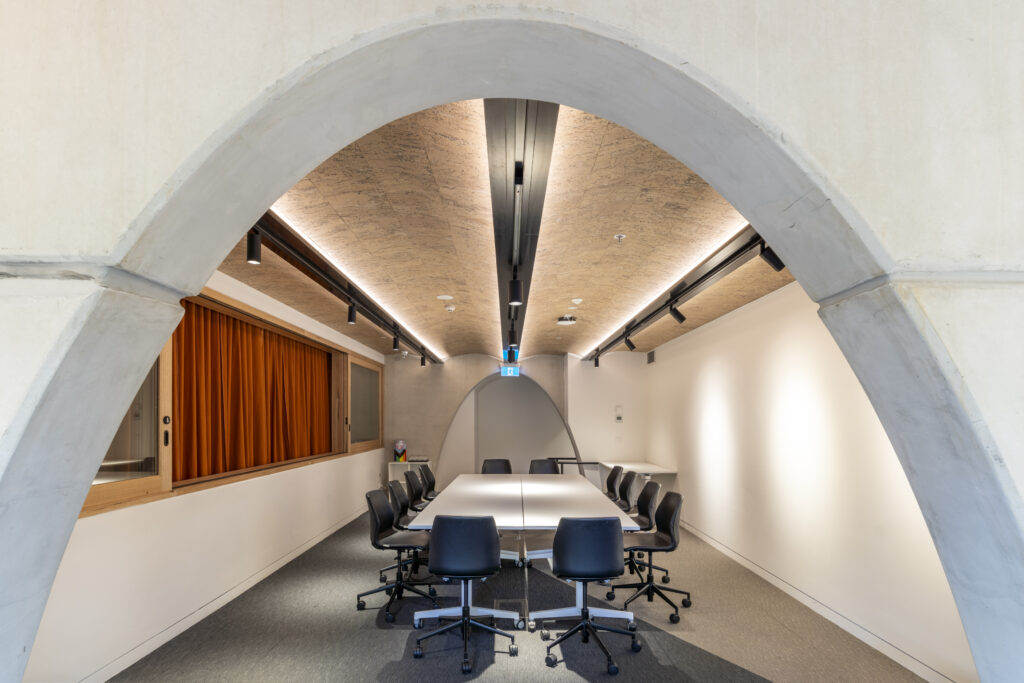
(405, 213)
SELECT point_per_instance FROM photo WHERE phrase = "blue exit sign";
(509, 370)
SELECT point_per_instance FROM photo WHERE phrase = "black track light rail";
(283, 241)
(737, 251)
(520, 139)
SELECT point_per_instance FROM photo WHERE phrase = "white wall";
(517, 421)
(458, 451)
(133, 578)
(594, 394)
(784, 464)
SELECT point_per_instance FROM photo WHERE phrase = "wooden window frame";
(113, 495)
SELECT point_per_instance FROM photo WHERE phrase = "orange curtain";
(245, 396)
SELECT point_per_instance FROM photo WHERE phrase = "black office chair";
(463, 549)
(429, 483)
(384, 536)
(543, 466)
(645, 507)
(625, 489)
(587, 550)
(400, 504)
(664, 539)
(415, 485)
(496, 466)
(612, 484)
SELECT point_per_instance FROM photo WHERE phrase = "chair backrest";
(613, 482)
(382, 516)
(666, 519)
(412, 478)
(587, 548)
(399, 499)
(625, 486)
(543, 466)
(496, 466)
(464, 547)
(428, 478)
(646, 502)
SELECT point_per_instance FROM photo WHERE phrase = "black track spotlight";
(630, 345)
(351, 314)
(423, 361)
(597, 361)
(771, 258)
(515, 292)
(513, 338)
(253, 244)
(679, 317)
(394, 343)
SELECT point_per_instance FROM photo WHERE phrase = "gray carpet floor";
(301, 624)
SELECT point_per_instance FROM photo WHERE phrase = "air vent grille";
(650, 357)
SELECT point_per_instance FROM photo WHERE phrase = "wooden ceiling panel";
(749, 282)
(607, 180)
(405, 213)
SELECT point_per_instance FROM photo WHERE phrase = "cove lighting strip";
(376, 299)
(596, 345)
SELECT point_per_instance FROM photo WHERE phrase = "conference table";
(521, 503)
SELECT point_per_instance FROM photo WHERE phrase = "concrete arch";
(125, 311)
(442, 471)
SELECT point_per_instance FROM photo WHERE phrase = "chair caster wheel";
(637, 646)
(612, 669)
(674, 618)
(383, 579)
(388, 591)
(417, 653)
(631, 626)
(416, 623)
(545, 634)
(610, 595)
(519, 564)
(520, 624)
(513, 650)
(686, 602)
(360, 605)
(550, 660)
(431, 591)
(467, 667)
(640, 556)
(436, 605)
(389, 617)
(665, 579)
(529, 564)
(531, 626)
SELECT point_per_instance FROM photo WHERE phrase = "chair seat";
(405, 520)
(406, 540)
(643, 521)
(430, 495)
(650, 542)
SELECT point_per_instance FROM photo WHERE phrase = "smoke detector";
(566, 320)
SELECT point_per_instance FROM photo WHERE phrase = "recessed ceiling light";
(577, 301)
(445, 297)
(566, 320)
(572, 308)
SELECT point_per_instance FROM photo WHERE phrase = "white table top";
(521, 501)
(639, 467)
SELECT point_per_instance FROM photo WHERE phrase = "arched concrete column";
(969, 500)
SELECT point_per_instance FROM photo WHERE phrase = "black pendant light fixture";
(679, 317)
(513, 338)
(630, 345)
(253, 248)
(597, 361)
(351, 314)
(394, 340)
(423, 361)
(515, 292)
(771, 258)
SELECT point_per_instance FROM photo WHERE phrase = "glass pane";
(134, 451)
(365, 407)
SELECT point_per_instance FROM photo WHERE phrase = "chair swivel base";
(396, 590)
(474, 611)
(650, 589)
(588, 628)
(465, 612)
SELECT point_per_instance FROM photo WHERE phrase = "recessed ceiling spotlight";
(445, 297)
(573, 308)
(577, 301)
(619, 238)
(566, 320)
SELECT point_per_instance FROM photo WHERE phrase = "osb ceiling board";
(279, 279)
(606, 180)
(405, 212)
(751, 281)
